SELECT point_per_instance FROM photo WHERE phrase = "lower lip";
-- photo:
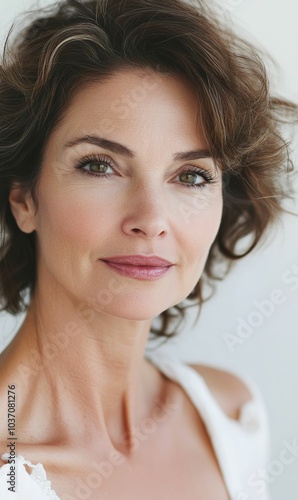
(139, 272)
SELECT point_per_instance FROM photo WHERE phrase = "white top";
(242, 447)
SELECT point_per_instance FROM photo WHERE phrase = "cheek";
(72, 219)
(202, 214)
(199, 224)
(201, 219)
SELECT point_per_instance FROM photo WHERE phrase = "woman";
(139, 144)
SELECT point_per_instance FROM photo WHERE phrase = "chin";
(136, 309)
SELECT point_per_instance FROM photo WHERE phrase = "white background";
(269, 354)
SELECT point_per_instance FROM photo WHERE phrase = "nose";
(147, 215)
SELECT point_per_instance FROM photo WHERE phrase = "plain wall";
(269, 353)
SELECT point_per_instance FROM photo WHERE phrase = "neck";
(89, 366)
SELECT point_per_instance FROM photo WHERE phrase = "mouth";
(139, 271)
(139, 260)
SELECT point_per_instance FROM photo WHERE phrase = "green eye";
(189, 177)
(98, 168)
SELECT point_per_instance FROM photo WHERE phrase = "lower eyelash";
(201, 186)
(93, 175)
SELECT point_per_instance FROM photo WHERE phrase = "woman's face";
(137, 198)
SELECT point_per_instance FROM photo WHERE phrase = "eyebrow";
(117, 148)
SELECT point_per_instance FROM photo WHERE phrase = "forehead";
(139, 86)
(155, 108)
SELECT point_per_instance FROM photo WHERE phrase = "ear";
(23, 208)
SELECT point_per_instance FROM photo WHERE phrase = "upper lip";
(140, 260)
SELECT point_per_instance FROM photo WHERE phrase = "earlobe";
(22, 208)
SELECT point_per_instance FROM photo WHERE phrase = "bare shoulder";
(230, 391)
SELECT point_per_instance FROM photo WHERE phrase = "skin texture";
(79, 352)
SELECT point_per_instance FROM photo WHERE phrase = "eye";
(98, 167)
(195, 177)
(191, 178)
(95, 166)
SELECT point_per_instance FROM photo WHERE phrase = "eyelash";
(208, 176)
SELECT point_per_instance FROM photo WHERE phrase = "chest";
(174, 484)
(186, 468)
(173, 459)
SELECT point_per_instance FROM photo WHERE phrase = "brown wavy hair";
(74, 42)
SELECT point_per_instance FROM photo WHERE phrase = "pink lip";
(139, 260)
(139, 266)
